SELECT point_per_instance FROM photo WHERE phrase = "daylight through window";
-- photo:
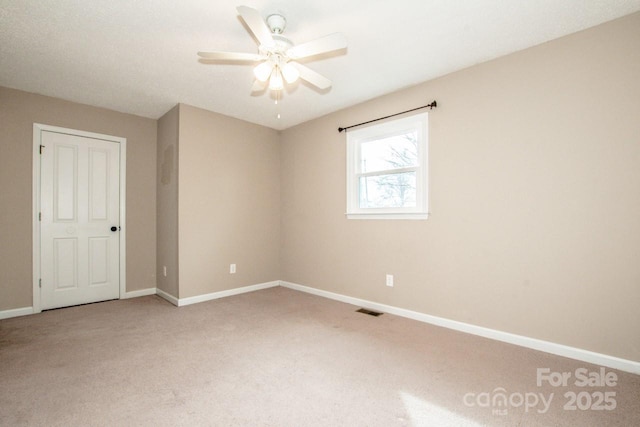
(387, 169)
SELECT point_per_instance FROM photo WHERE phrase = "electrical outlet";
(390, 280)
(164, 270)
(232, 269)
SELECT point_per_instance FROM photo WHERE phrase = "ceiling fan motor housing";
(282, 43)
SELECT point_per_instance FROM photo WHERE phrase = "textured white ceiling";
(139, 56)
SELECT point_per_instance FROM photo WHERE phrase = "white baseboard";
(173, 300)
(533, 343)
(7, 314)
(139, 293)
(221, 294)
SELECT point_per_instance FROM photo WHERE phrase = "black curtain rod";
(431, 106)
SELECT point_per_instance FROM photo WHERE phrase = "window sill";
(377, 215)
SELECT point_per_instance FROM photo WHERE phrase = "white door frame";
(37, 136)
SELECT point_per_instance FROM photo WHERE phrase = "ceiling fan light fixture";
(290, 73)
(275, 82)
(263, 71)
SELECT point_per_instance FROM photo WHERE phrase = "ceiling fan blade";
(256, 24)
(312, 77)
(324, 44)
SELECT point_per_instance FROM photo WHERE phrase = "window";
(387, 170)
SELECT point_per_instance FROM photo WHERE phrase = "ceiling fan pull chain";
(277, 107)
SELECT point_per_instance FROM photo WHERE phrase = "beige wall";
(167, 202)
(535, 198)
(18, 112)
(229, 202)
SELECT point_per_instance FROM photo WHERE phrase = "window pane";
(388, 191)
(394, 152)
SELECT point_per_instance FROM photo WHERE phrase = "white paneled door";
(80, 220)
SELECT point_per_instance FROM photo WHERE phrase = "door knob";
(114, 228)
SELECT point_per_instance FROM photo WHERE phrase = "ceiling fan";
(278, 55)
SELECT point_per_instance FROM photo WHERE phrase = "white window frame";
(355, 139)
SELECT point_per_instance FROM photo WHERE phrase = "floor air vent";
(369, 312)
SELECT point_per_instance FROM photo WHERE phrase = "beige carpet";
(279, 358)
